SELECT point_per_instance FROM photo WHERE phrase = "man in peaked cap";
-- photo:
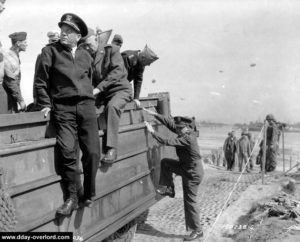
(135, 62)
(63, 84)
(12, 72)
(188, 165)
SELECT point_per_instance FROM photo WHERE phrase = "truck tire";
(124, 234)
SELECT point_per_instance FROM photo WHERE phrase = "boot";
(110, 156)
(194, 235)
(168, 191)
(67, 208)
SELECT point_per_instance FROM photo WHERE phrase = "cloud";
(215, 93)
(256, 102)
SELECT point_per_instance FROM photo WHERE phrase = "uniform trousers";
(243, 158)
(191, 179)
(230, 159)
(75, 122)
(114, 105)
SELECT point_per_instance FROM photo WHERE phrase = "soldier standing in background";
(12, 72)
(252, 143)
(188, 165)
(243, 151)
(272, 144)
(135, 62)
(229, 149)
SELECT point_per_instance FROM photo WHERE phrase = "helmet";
(270, 117)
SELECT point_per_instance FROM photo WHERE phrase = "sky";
(227, 61)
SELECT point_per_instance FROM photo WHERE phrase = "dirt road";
(165, 220)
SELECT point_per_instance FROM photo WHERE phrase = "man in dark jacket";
(53, 36)
(229, 149)
(63, 85)
(135, 62)
(111, 86)
(189, 166)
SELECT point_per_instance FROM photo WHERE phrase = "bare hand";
(137, 103)
(96, 91)
(150, 111)
(22, 106)
(46, 111)
(149, 127)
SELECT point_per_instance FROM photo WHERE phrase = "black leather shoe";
(110, 156)
(168, 191)
(66, 209)
(194, 235)
(84, 202)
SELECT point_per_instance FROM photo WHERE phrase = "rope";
(234, 187)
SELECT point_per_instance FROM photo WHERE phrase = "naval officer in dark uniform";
(63, 84)
(188, 166)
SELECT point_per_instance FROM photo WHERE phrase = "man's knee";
(164, 162)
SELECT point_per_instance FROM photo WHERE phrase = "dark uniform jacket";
(109, 73)
(135, 70)
(230, 145)
(186, 145)
(60, 76)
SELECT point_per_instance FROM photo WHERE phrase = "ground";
(224, 205)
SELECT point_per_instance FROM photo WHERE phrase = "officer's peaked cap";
(118, 39)
(75, 22)
(270, 117)
(18, 36)
(149, 54)
(183, 121)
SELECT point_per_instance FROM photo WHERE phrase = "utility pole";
(264, 153)
(283, 156)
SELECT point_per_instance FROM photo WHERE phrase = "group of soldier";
(242, 148)
(73, 73)
(68, 78)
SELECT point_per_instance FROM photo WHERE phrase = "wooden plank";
(26, 146)
(27, 166)
(21, 119)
